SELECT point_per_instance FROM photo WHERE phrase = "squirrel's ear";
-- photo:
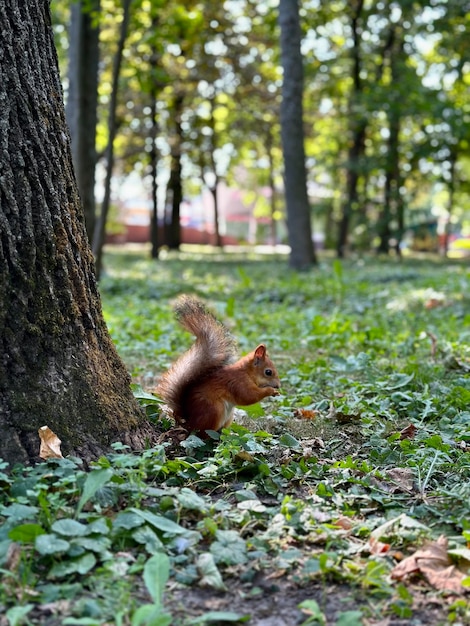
(260, 353)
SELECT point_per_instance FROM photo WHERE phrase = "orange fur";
(206, 382)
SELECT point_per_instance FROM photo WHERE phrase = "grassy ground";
(345, 501)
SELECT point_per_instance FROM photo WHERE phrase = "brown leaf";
(344, 522)
(50, 444)
(243, 455)
(433, 562)
(402, 478)
(378, 547)
(409, 432)
(306, 414)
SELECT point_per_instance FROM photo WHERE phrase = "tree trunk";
(272, 187)
(453, 152)
(175, 185)
(82, 102)
(100, 226)
(393, 205)
(58, 365)
(215, 197)
(358, 126)
(154, 238)
(299, 225)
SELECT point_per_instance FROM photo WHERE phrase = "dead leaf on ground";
(434, 563)
(50, 444)
(378, 547)
(306, 414)
(308, 445)
(409, 432)
(402, 477)
(343, 522)
(396, 480)
(433, 303)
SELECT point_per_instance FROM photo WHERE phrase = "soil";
(275, 603)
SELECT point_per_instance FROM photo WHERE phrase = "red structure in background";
(236, 220)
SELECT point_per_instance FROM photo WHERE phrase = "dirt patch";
(275, 603)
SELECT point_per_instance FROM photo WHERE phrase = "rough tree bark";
(58, 365)
(299, 225)
(82, 101)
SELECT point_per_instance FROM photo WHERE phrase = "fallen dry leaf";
(344, 522)
(50, 444)
(243, 455)
(378, 547)
(306, 414)
(409, 432)
(434, 563)
(402, 477)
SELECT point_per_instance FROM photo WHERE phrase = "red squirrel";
(206, 382)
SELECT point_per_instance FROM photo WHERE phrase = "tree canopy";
(386, 118)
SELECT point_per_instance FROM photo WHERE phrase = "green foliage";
(369, 442)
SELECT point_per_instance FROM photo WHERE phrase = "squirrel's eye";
(268, 372)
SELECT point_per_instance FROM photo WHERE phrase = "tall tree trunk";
(358, 126)
(272, 222)
(82, 101)
(299, 225)
(451, 190)
(214, 188)
(154, 154)
(100, 227)
(154, 238)
(392, 182)
(215, 197)
(393, 205)
(58, 365)
(175, 185)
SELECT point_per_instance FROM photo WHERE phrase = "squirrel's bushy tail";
(214, 347)
(217, 344)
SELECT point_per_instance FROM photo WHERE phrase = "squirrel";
(205, 383)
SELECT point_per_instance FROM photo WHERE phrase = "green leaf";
(26, 533)
(51, 544)
(161, 523)
(81, 621)
(140, 394)
(312, 608)
(92, 544)
(210, 575)
(79, 565)
(19, 511)
(338, 269)
(349, 618)
(190, 500)
(156, 574)
(229, 548)
(69, 528)
(218, 617)
(150, 615)
(127, 520)
(94, 481)
(289, 441)
(146, 536)
(16, 614)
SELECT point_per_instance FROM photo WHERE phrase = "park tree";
(82, 100)
(58, 365)
(295, 179)
(99, 233)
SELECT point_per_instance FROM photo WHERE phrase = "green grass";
(367, 348)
